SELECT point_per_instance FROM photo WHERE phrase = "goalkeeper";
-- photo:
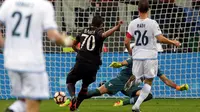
(133, 95)
(121, 81)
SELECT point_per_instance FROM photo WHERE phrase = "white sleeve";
(49, 18)
(156, 29)
(3, 11)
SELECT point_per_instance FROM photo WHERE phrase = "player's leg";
(150, 70)
(32, 105)
(78, 72)
(18, 105)
(111, 87)
(90, 77)
(144, 93)
(82, 94)
(138, 71)
(132, 99)
(71, 80)
(73, 76)
(35, 88)
(97, 92)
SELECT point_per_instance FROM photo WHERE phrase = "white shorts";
(145, 68)
(29, 85)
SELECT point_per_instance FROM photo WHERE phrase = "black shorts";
(82, 71)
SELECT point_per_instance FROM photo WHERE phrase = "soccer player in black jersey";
(88, 59)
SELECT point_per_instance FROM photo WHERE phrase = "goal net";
(178, 20)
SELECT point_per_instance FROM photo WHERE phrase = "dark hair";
(97, 21)
(143, 6)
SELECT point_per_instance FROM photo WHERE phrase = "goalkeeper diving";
(126, 83)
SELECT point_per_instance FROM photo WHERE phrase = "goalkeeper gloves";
(182, 87)
(115, 65)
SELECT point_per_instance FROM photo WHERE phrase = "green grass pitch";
(105, 105)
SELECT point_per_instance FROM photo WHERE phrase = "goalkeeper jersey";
(144, 32)
(25, 21)
(126, 71)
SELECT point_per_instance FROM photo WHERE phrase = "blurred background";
(178, 19)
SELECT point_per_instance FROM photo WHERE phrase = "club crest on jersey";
(110, 84)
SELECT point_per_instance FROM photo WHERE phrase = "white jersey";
(25, 21)
(144, 32)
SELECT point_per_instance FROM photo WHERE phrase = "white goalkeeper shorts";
(29, 85)
(145, 68)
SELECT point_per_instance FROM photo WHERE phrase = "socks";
(18, 106)
(83, 91)
(128, 101)
(134, 99)
(82, 95)
(149, 97)
(71, 89)
(94, 92)
(143, 95)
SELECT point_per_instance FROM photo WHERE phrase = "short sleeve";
(156, 29)
(160, 73)
(100, 32)
(3, 11)
(130, 61)
(49, 18)
(129, 33)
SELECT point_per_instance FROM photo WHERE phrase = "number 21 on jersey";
(88, 42)
(18, 15)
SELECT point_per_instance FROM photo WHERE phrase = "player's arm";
(118, 64)
(50, 26)
(170, 83)
(112, 30)
(165, 40)
(158, 34)
(1, 40)
(123, 63)
(76, 41)
(75, 46)
(128, 38)
(3, 13)
(55, 36)
(127, 45)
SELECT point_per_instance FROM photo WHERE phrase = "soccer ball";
(60, 97)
